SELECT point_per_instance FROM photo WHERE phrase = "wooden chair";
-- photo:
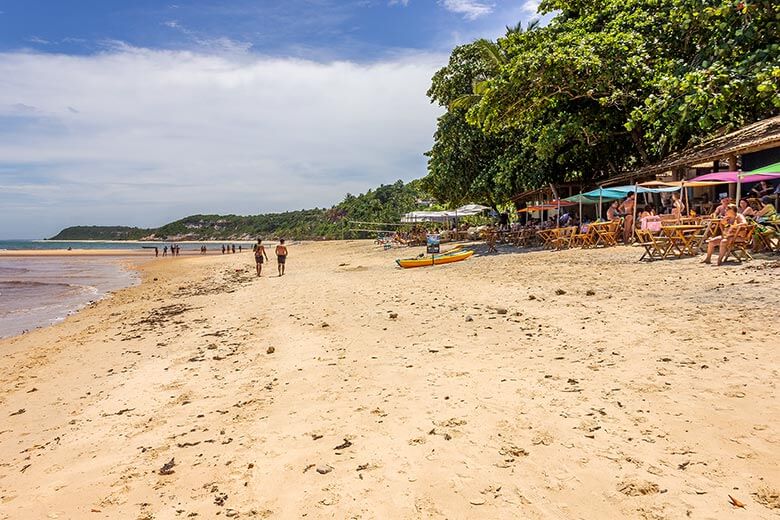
(547, 236)
(608, 235)
(585, 237)
(655, 246)
(491, 237)
(740, 243)
(563, 238)
(765, 238)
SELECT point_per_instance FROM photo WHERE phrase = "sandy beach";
(578, 384)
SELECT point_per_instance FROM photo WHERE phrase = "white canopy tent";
(443, 216)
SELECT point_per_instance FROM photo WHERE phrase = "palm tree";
(495, 58)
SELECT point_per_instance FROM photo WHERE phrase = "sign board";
(433, 243)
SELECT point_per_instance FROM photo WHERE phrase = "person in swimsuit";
(627, 208)
(723, 243)
(613, 212)
(281, 256)
(678, 206)
(745, 209)
(259, 254)
(720, 211)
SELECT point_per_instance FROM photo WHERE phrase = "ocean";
(36, 292)
(16, 245)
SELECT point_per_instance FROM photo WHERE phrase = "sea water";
(36, 292)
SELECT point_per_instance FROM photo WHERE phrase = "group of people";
(175, 250)
(230, 248)
(261, 256)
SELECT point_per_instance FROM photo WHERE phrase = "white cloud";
(470, 9)
(157, 135)
(398, 2)
(530, 6)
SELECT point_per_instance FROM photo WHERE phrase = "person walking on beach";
(259, 254)
(281, 256)
(165, 251)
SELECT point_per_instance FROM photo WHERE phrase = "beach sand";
(535, 385)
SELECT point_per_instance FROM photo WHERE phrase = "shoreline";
(61, 289)
(433, 392)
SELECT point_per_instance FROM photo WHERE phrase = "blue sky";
(140, 112)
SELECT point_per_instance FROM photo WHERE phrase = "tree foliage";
(605, 86)
(384, 204)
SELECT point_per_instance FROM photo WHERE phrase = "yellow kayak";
(444, 258)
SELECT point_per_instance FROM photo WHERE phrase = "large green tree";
(611, 84)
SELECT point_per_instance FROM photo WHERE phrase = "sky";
(140, 112)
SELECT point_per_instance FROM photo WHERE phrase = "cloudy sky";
(139, 112)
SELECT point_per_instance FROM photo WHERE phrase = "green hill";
(101, 233)
(384, 204)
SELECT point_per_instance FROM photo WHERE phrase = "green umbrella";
(772, 168)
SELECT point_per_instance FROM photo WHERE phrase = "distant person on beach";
(503, 220)
(613, 213)
(647, 212)
(156, 251)
(239, 248)
(678, 206)
(627, 208)
(720, 211)
(233, 247)
(761, 189)
(281, 256)
(745, 209)
(723, 243)
(259, 254)
(767, 213)
(223, 249)
(165, 251)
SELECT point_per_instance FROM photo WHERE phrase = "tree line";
(605, 87)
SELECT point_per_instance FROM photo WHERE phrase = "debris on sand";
(638, 488)
(343, 446)
(560, 292)
(270, 350)
(323, 470)
(20, 411)
(736, 503)
(167, 468)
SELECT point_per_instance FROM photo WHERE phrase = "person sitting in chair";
(724, 243)
(761, 189)
(767, 213)
(720, 211)
(745, 209)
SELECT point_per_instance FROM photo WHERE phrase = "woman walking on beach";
(281, 256)
(259, 254)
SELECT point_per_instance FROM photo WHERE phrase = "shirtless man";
(720, 211)
(281, 256)
(259, 254)
(627, 208)
(723, 243)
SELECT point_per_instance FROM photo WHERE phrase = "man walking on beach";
(259, 254)
(281, 256)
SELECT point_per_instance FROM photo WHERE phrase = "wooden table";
(682, 239)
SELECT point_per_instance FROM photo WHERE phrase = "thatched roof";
(752, 138)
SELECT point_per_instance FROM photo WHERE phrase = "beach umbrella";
(770, 169)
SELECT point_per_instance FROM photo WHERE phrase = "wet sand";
(554, 385)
